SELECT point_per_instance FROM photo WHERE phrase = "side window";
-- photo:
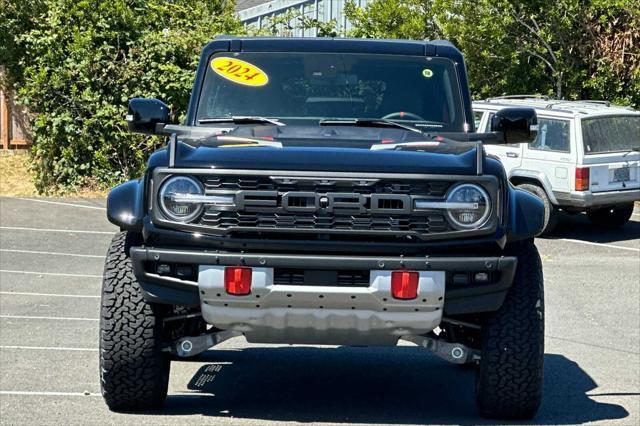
(553, 135)
(477, 118)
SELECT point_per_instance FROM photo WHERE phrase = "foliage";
(284, 23)
(16, 17)
(576, 49)
(81, 62)
(391, 19)
(77, 62)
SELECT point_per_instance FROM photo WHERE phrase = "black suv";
(325, 191)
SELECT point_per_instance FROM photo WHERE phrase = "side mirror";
(145, 114)
(516, 125)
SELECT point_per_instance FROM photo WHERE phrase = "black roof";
(441, 48)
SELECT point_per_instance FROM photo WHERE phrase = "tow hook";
(193, 345)
(456, 353)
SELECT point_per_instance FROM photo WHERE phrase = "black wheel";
(134, 371)
(611, 217)
(509, 377)
(550, 212)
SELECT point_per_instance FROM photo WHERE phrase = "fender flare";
(125, 205)
(540, 177)
(526, 215)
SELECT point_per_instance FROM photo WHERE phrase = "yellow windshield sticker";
(239, 71)
(427, 73)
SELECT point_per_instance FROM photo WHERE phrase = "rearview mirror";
(516, 125)
(145, 114)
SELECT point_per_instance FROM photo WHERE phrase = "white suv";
(586, 157)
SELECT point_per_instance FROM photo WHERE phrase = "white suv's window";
(553, 135)
(477, 118)
(610, 134)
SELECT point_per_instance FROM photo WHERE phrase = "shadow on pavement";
(398, 385)
(578, 227)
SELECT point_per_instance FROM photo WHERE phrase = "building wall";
(322, 10)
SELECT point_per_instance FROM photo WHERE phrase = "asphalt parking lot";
(51, 260)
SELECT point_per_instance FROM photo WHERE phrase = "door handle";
(513, 155)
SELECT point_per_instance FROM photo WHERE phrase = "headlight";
(469, 206)
(179, 198)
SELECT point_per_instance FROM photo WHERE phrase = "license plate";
(622, 174)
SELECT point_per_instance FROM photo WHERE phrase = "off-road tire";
(134, 371)
(510, 375)
(612, 217)
(550, 212)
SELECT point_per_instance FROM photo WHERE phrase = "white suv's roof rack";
(561, 105)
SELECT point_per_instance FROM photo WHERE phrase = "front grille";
(265, 203)
(341, 278)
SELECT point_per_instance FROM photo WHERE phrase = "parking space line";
(48, 318)
(30, 393)
(61, 204)
(55, 274)
(52, 253)
(591, 243)
(47, 348)
(19, 293)
(69, 231)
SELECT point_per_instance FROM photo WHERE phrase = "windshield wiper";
(240, 119)
(366, 122)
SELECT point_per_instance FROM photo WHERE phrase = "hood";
(328, 158)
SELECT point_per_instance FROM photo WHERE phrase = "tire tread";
(510, 375)
(134, 372)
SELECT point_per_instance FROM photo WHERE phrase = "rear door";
(551, 153)
(608, 144)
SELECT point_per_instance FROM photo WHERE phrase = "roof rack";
(595, 101)
(536, 96)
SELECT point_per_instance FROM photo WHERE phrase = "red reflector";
(237, 280)
(582, 178)
(404, 284)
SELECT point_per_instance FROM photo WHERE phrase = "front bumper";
(458, 300)
(321, 314)
(586, 200)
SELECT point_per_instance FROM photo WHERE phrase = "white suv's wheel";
(611, 217)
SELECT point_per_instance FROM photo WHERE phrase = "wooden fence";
(14, 122)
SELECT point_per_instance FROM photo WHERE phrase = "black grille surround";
(324, 205)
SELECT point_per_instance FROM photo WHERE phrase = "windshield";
(611, 134)
(299, 88)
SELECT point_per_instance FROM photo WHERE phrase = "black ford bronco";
(325, 191)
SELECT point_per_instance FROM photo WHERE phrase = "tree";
(569, 48)
(81, 62)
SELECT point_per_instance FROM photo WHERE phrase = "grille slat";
(229, 219)
(264, 183)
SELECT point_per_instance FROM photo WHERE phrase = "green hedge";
(76, 64)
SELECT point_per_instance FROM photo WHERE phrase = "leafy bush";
(81, 60)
